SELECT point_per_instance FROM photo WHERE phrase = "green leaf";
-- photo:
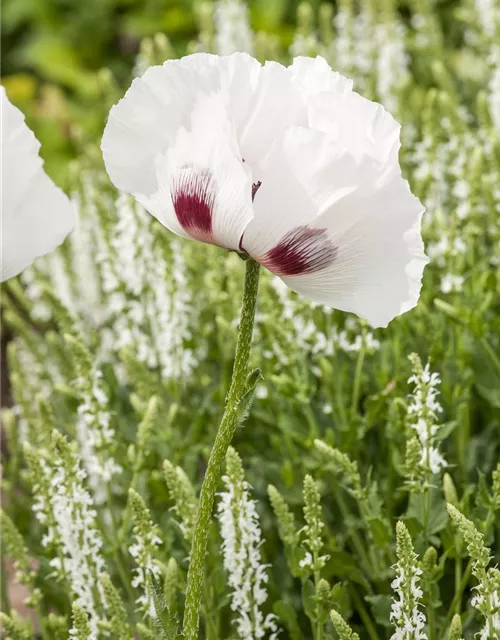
(437, 516)
(381, 608)
(309, 599)
(346, 567)
(288, 617)
(380, 531)
(341, 599)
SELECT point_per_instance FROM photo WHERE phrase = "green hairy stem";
(223, 439)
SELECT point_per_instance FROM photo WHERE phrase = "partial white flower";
(36, 215)
(286, 164)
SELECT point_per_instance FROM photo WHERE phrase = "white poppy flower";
(286, 164)
(36, 215)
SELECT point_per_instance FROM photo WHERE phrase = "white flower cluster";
(342, 47)
(408, 619)
(241, 534)
(488, 13)
(83, 262)
(232, 28)
(371, 51)
(52, 268)
(148, 301)
(451, 282)
(124, 272)
(141, 551)
(30, 379)
(96, 436)
(392, 63)
(171, 316)
(72, 275)
(446, 248)
(39, 311)
(304, 44)
(116, 277)
(423, 409)
(353, 338)
(365, 49)
(489, 602)
(33, 382)
(303, 334)
(67, 510)
(153, 299)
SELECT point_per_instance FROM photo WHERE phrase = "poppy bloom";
(286, 164)
(36, 215)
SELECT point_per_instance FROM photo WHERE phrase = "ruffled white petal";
(338, 229)
(204, 188)
(314, 76)
(203, 114)
(361, 125)
(36, 215)
(261, 101)
(145, 123)
(275, 104)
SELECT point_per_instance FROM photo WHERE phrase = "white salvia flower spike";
(286, 164)
(423, 410)
(242, 539)
(232, 29)
(36, 215)
(406, 615)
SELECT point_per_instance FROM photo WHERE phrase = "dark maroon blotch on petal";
(193, 200)
(255, 188)
(302, 250)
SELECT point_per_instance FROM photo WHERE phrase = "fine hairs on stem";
(223, 439)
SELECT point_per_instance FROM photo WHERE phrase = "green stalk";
(223, 439)
(363, 613)
(493, 356)
(356, 539)
(210, 626)
(128, 511)
(357, 377)
(432, 624)
(319, 624)
(455, 603)
(458, 581)
(339, 396)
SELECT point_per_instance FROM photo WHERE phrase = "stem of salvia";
(223, 439)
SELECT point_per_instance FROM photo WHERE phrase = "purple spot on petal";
(255, 188)
(193, 200)
(301, 250)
